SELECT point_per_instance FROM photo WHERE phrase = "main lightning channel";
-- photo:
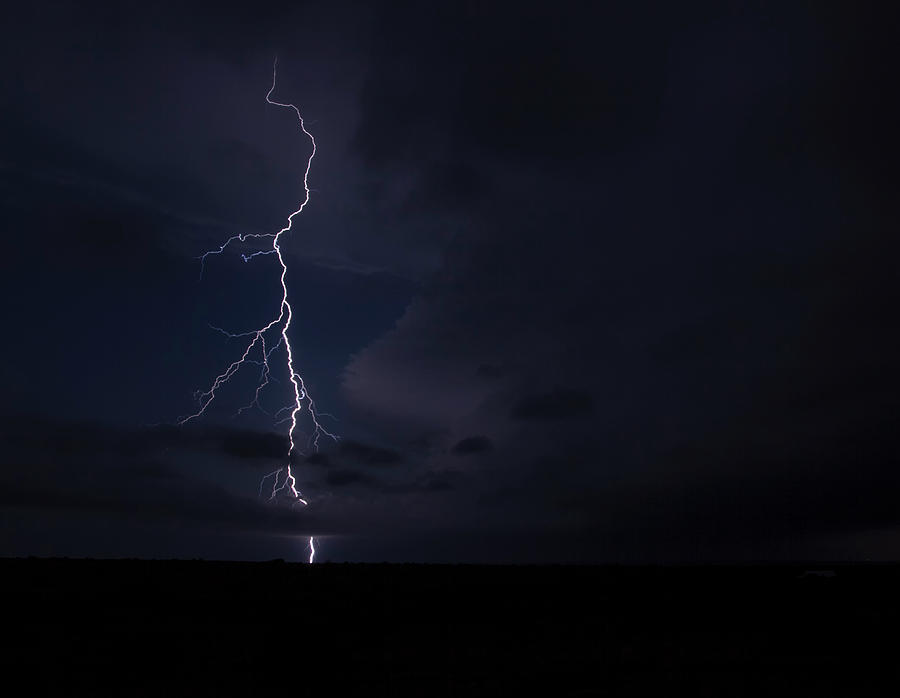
(281, 324)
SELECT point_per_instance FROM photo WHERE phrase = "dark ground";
(218, 628)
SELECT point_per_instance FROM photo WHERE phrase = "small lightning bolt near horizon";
(259, 349)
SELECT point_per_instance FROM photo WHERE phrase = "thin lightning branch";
(283, 480)
(242, 238)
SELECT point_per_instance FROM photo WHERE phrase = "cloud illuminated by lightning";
(258, 345)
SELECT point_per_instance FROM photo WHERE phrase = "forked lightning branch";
(271, 340)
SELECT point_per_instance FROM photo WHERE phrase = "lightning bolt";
(262, 343)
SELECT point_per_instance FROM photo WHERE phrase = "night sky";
(607, 282)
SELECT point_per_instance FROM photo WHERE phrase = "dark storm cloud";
(521, 85)
(340, 478)
(367, 454)
(472, 444)
(786, 499)
(437, 484)
(32, 433)
(557, 404)
(94, 469)
(104, 227)
(428, 484)
(707, 272)
(146, 494)
(488, 371)
(352, 452)
(251, 444)
(318, 459)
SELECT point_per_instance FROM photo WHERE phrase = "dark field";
(217, 628)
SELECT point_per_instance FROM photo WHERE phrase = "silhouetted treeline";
(218, 628)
